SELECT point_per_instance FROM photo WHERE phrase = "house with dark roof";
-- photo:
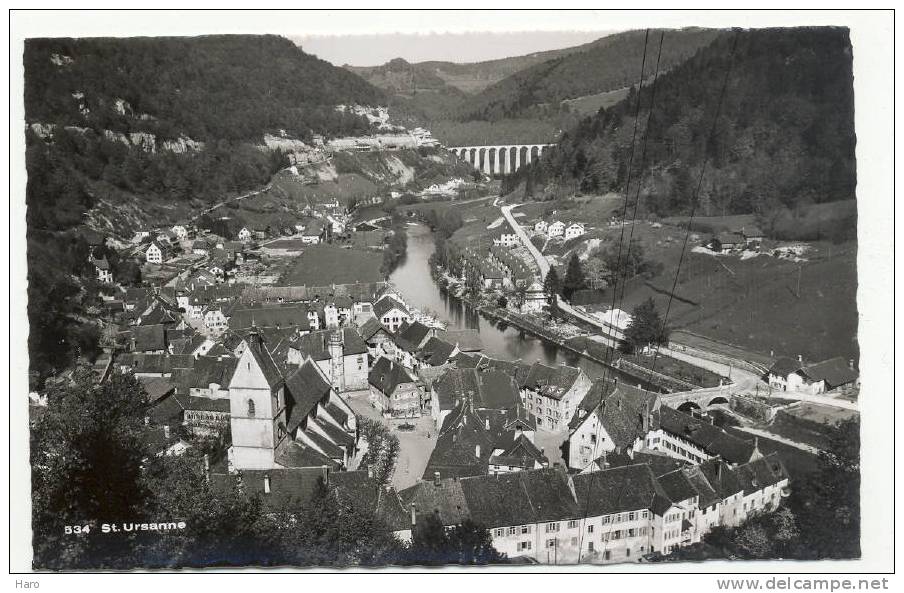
(340, 353)
(483, 389)
(408, 341)
(618, 514)
(480, 441)
(835, 373)
(150, 339)
(619, 418)
(612, 418)
(391, 312)
(375, 336)
(393, 391)
(436, 353)
(553, 394)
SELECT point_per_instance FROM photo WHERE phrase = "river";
(412, 278)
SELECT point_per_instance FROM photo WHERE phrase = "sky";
(373, 50)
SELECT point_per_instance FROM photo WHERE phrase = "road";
(235, 199)
(743, 381)
(543, 265)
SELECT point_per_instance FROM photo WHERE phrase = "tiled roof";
(713, 440)
(289, 487)
(785, 366)
(677, 485)
(467, 340)
(296, 455)
(370, 328)
(551, 382)
(621, 489)
(387, 304)
(387, 375)
(294, 316)
(264, 360)
(835, 372)
(305, 387)
(410, 336)
(436, 352)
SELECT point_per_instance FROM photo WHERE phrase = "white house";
(555, 229)
(575, 229)
(534, 298)
(391, 313)
(215, 320)
(180, 231)
(554, 394)
(102, 267)
(540, 226)
(506, 239)
(245, 235)
(156, 253)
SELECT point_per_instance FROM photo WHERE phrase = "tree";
(330, 531)
(827, 502)
(466, 543)
(596, 272)
(551, 284)
(86, 459)
(382, 449)
(645, 328)
(574, 277)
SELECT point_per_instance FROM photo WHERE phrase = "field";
(762, 304)
(808, 423)
(678, 369)
(321, 265)
(590, 104)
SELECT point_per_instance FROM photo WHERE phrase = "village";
(284, 374)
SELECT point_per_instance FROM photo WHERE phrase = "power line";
(606, 370)
(694, 200)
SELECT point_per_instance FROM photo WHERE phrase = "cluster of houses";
(277, 366)
(557, 228)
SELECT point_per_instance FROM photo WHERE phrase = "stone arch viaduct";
(499, 160)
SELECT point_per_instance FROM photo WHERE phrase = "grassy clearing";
(321, 265)
(809, 423)
(590, 104)
(679, 369)
(754, 304)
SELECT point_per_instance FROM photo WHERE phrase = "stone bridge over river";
(499, 160)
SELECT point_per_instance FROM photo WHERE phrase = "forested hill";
(232, 87)
(785, 136)
(610, 63)
(130, 133)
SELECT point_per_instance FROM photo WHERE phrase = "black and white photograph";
(419, 291)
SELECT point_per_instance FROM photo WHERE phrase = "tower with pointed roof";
(257, 403)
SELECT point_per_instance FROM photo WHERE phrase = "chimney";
(436, 482)
(477, 451)
(266, 483)
(800, 358)
(207, 468)
(486, 423)
(166, 431)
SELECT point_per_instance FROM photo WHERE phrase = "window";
(607, 555)
(572, 524)
(552, 527)
(512, 531)
(525, 529)
(616, 534)
(644, 514)
(522, 546)
(631, 516)
(551, 543)
(607, 519)
(251, 408)
(590, 529)
(498, 532)
(632, 532)
(589, 546)
(628, 553)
